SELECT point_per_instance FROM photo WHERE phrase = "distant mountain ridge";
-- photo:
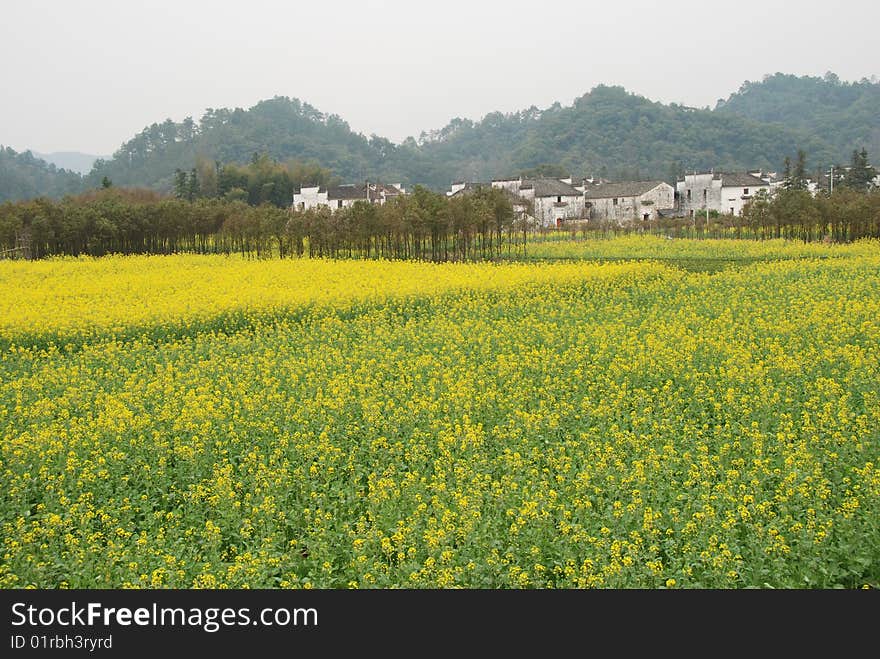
(73, 161)
(24, 176)
(607, 131)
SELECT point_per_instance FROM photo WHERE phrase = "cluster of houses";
(343, 196)
(552, 202)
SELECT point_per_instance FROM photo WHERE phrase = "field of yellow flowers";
(202, 421)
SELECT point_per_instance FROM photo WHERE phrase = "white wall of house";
(660, 198)
(511, 184)
(699, 192)
(309, 198)
(619, 210)
(550, 211)
(734, 199)
(623, 210)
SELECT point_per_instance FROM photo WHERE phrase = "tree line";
(247, 210)
(423, 225)
(845, 215)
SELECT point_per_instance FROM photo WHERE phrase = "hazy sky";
(86, 76)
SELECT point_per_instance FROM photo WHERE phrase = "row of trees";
(424, 225)
(844, 215)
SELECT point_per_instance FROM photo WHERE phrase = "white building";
(721, 192)
(554, 201)
(623, 203)
(343, 196)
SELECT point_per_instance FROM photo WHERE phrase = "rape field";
(190, 421)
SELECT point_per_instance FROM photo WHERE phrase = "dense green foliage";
(607, 132)
(23, 176)
(284, 128)
(261, 181)
(844, 115)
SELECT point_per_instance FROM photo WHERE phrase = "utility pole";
(832, 179)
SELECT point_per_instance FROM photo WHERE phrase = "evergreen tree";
(861, 174)
(181, 184)
(192, 186)
(799, 176)
(786, 173)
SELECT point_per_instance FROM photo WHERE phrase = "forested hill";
(607, 132)
(613, 133)
(23, 176)
(845, 114)
(283, 128)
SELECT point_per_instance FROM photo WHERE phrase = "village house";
(343, 196)
(554, 201)
(725, 193)
(623, 203)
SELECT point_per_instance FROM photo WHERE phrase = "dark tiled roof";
(625, 189)
(551, 187)
(347, 192)
(740, 180)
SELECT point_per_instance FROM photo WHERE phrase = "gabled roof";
(624, 189)
(551, 187)
(740, 180)
(349, 191)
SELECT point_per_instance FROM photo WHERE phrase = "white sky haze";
(86, 76)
